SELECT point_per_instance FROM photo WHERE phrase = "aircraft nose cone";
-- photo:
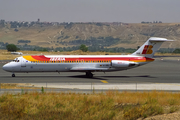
(6, 67)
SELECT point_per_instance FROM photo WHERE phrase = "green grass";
(68, 106)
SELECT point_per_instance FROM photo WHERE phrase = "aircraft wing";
(87, 69)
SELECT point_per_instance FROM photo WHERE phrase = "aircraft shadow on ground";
(104, 77)
(52, 77)
(77, 77)
(85, 77)
(143, 76)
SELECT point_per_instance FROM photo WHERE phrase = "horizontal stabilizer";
(156, 39)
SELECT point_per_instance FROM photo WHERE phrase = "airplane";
(16, 53)
(85, 63)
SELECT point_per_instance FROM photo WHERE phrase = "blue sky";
(129, 11)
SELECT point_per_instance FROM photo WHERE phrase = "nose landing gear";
(13, 75)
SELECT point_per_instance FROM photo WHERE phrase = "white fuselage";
(102, 63)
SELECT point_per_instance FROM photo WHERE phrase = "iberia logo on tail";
(147, 49)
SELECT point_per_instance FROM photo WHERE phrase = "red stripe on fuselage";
(135, 59)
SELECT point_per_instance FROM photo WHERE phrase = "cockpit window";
(15, 60)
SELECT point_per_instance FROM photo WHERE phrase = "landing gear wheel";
(13, 75)
(89, 74)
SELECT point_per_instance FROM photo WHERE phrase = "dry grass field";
(132, 34)
(97, 106)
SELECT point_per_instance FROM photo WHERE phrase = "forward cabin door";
(23, 62)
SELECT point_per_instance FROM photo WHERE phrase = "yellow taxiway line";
(104, 81)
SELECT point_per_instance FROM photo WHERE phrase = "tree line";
(24, 41)
(95, 48)
(12, 47)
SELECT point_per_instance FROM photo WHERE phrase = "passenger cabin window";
(78, 61)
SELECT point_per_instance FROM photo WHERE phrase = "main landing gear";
(13, 75)
(89, 74)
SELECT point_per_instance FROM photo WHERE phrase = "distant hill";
(102, 34)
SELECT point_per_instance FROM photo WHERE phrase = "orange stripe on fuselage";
(133, 59)
(41, 58)
(29, 58)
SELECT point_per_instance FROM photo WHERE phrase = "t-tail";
(149, 48)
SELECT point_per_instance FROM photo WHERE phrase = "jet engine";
(121, 63)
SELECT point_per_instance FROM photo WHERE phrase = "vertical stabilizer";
(149, 48)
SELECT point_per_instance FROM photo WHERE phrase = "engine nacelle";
(121, 63)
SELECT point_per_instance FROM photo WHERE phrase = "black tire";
(13, 75)
(89, 74)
